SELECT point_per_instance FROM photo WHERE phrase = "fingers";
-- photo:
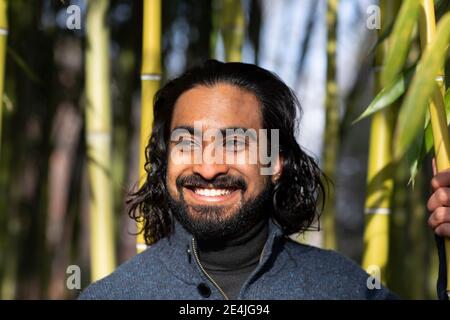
(441, 179)
(433, 165)
(439, 202)
(439, 218)
(440, 198)
(443, 230)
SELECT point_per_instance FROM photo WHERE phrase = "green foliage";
(412, 112)
(423, 143)
(413, 133)
(388, 95)
(399, 41)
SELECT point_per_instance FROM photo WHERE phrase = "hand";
(439, 203)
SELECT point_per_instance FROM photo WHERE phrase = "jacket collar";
(176, 251)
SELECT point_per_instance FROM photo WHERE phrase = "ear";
(278, 168)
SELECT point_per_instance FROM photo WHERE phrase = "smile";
(203, 195)
(212, 192)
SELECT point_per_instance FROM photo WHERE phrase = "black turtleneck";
(232, 262)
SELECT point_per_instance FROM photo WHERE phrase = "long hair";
(296, 193)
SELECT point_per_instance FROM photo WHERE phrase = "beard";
(214, 222)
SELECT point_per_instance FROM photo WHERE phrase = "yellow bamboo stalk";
(98, 140)
(150, 82)
(379, 175)
(3, 44)
(232, 28)
(436, 107)
(332, 121)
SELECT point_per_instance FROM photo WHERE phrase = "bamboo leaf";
(412, 112)
(416, 154)
(384, 35)
(399, 40)
(388, 95)
(426, 143)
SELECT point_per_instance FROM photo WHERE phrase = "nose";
(210, 171)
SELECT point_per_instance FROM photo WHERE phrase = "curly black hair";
(296, 193)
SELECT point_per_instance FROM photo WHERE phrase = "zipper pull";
(188, 252)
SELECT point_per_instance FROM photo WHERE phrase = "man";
(218, 211)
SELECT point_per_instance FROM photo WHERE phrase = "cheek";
(171, 178)
(255, 181)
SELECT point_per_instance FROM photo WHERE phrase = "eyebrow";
(187, 128)
(247, 131)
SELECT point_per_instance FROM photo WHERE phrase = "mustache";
(220, 182)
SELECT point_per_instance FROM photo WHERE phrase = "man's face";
(216, 197)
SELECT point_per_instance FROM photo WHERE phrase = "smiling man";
(217, 215)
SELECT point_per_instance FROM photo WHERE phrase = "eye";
(235, 144)
(186, 144)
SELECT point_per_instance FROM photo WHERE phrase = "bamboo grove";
(121, 65)
(426, 88)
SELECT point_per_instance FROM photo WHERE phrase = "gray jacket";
(287, 270)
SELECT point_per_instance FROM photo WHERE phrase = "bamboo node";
(377, 211)
(150, 76)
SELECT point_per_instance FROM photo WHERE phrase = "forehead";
(219, 106)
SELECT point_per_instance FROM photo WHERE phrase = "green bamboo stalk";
(7, 288)
(3, 46)
(332, 120)
(379, 174)
(215, 27)
(98, 140)
(436, 107)
(232, 25)
(150, 82)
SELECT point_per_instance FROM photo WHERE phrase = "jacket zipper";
(194, 249)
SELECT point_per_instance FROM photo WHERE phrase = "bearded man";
(218, 224)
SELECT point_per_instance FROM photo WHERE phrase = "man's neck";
(240, 252)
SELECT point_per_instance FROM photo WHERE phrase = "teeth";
(212, 192)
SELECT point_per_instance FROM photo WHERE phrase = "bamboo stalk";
(332, 121)
(379, 174)
(7, 287)
(3, 46)
(215, 27)
(232, 28)
(150, 82)
(436, 107)
(98, 140)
